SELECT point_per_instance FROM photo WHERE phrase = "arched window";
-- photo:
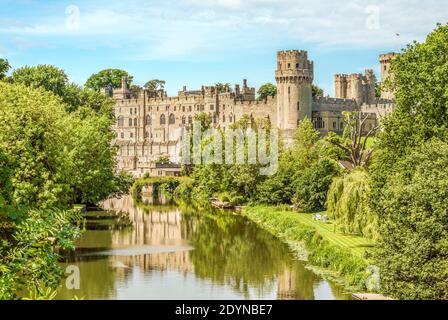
(120, 121)
(135, 122)
(130, 122)
(162, 119)
(184, 120)
(172, 119)
(148, 120)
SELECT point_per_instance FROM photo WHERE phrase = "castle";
(147, 121)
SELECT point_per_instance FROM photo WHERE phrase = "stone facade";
(148, 122)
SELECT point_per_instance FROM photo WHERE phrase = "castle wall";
(149, 123)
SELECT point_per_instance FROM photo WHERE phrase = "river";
(173, 252)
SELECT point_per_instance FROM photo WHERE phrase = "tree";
(313, 183)
(222, 87)
(407, 194)
(155, 85)
(355, 141)
(267, 90)
(347, 205)
(412, 253)
(47, 77)
(106, 78)
(32, 138)
(4, 68)
(317, 92)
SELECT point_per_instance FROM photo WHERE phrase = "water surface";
(176, 252)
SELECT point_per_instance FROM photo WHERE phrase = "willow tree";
(347, 205)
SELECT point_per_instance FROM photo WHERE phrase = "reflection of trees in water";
(231, 250)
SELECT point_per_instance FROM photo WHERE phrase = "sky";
(202, 42)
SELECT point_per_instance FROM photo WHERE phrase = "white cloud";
(190, 27)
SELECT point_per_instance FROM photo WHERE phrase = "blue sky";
(196, 42)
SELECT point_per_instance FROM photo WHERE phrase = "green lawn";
(355, 243)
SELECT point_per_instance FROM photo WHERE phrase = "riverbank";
(341, 256)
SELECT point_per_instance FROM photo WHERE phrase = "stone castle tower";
(357, 86)
(386, 61)
(294, 78)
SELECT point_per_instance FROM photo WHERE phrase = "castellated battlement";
(328, 100)
(388, 57)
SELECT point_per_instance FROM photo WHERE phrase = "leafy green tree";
(91, 157)
(313, 183)
(317, 92)
(204, 119)
(222, 87)
(347, 205)
(32, 138)
(155, 85)
(106, 78)
(412, 253)
(4, 68)
(267, 90)
(47, 77)
(404, 195)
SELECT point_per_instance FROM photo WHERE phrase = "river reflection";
(178, 253)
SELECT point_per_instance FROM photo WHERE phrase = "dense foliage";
(55, 150)
(107, 78)
(347, 205)
(408, 176)
(4, 68)
(413, 250)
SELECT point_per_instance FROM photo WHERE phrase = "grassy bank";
(343, 255)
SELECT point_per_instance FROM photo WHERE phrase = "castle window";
(122, 135)
(167, 108)
(184, 120)
(212, 107)
(289, 66)
(298, 106)
(172, 119)
(320, 124)
(342, 125)
(174, 108)
(148, 120)
(135, 122)
(135, 110)
(120, 121)
(297, 66)
(190, 120)
(162, 119)
(231, 118)
(183, 109)
(334, 125)
(130, 122)
(223, 118)
(131, 110)
(131, 135)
